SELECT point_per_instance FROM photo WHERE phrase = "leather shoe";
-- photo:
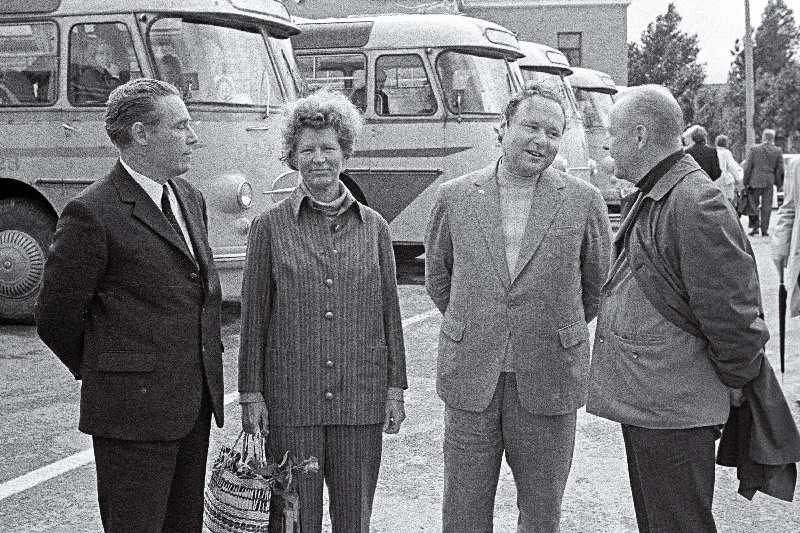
(754, 232)
(764, 234)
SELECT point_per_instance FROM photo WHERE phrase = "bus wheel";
(26, 231)
(405, 252)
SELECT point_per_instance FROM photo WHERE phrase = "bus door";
(404, 144)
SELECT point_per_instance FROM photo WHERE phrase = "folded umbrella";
(782, 319)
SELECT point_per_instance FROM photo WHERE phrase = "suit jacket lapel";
(144, 209)
(487, 204)
(546, 201)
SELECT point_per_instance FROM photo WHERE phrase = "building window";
(570, 45)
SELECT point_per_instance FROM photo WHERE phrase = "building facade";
(592, 33)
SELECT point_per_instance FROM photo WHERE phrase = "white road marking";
(62, 466)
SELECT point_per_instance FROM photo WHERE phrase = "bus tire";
(26, 231)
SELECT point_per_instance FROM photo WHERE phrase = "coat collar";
(150, 215)
(684, 166)
(546, 201)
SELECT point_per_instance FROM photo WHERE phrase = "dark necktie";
(167, 209)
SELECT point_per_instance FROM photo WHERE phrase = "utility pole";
(749, 104)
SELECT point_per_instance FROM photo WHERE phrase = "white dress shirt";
(154, 190)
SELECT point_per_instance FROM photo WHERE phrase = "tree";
(776, 72)
(668, 56)
(776, 38)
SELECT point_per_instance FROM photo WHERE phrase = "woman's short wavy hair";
(320, 110)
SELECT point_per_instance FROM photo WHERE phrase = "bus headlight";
(244, 194)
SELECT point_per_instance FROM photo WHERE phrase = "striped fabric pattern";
(321, 328)
(349, 461)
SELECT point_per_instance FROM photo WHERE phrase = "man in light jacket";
(786, 237)
(678, 331)
(516, 255)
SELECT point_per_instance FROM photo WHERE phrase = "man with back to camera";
(131, 305)
(763, 170)
(705, 155)
(679, 330)
(516, 255)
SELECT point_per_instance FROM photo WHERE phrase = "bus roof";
(543, 58)
(407, 31)
(271, 12)
(592, 80)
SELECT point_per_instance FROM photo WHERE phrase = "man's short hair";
(768, 135)
(699, 135)
(654, 107)
(531, 90)
(132, 102)
(722, 141)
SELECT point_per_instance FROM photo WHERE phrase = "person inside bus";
(322, 361)
(100, 76)
(359, 95)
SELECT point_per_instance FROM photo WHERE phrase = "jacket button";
(329, 282)
(329, 396)
(336, 252)
(143, 391)
(602, 340)
(329, 364)
(193, 275)
(328, 316)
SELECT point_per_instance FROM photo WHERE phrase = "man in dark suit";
(763, 170)
(131, 305)
(705, 155)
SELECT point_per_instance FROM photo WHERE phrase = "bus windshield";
(556, 84)
(475, 84)
(214, 64)
(285, 63)
(594, 107)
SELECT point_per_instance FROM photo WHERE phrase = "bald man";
(678, 333)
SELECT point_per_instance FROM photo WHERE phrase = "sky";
(717, 23)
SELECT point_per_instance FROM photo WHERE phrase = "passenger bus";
(231, 60)
(432, 89)
(594, 91)
(549, 67)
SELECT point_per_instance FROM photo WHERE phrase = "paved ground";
(39, 402)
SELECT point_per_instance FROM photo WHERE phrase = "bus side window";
(101, 59)
(402, 86)
(28, 62)
(341, 72)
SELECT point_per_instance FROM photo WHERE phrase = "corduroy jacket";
(322, 335)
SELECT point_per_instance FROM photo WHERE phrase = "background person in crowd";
(322, 360)
(705, 155)
(763, 170)
(679, 330)
(516, 254)
(730, 182)
(131, 305)
(786, 236)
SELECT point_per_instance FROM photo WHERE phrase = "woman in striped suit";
(322, 361)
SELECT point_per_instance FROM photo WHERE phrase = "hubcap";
(21, 264)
